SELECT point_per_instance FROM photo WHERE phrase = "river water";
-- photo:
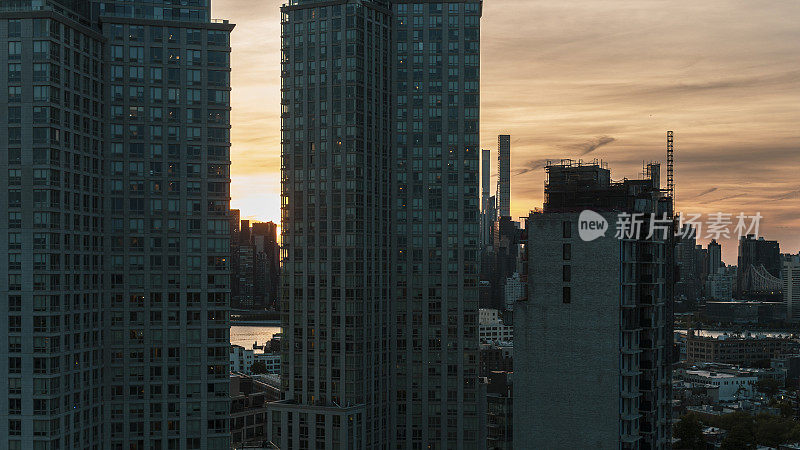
(246, 335)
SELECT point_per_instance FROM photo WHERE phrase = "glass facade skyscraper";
(436, 224)
(380, 110)
(51, 231)
(117, 230)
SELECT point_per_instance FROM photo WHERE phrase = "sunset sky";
(592, 79)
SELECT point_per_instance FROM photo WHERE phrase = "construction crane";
(671, 168)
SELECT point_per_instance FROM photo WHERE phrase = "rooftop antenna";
(671, 168)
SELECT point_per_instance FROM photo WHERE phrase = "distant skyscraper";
(264, 237)
(118, 155)
(254, 265)
(593, 341)
(380, 183)
(504, 175)
(714, 257)
(691, 261)
(791, 286)
(487, 210)
(759, 267)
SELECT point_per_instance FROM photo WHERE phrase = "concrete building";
(381, 227)
(791, 287)
(500, 411)
(491, 327)
(691, 266)
(745, 312)
(720, 285)
(790, 365)
(514, 291)
(504, 175)
(241, 359)
(249, 398)
(732, 386)
(737, 350)
(272, 361)
(496, 356)
(594, 338)
(116, 130)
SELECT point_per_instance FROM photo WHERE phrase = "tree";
(258, 368)
(689, 432)
(767, 386)
(739, 437)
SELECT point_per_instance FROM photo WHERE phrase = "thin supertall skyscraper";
(117, 231)
(504, 175)
(487, 215)
(380, 223)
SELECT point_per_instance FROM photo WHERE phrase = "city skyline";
(608, 80)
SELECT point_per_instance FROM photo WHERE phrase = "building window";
(567, 249)
(567, 273)
(566, 294)
(566, 229)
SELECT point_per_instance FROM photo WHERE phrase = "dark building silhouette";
(500, 411)
(381, 228)
(114, 118)
(504, 175)
(714, 257)
(759, 270)
(688, 259)
(594, 337)
(255, 267)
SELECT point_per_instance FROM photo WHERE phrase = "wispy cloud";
(795, 194)
(706, 192)
(530, 166)
(590, 146)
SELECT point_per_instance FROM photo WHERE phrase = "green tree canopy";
(689, 432)
(258, 368)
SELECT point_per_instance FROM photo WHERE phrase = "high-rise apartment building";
(504, 175)
(380, 225)
(594, 336)
(791, 286)
(714, 257)
(437, 96)
(118, 155)
(51, 229)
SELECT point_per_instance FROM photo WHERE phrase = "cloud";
(590, 146)
(724, 75)
(532, 165)
(706, 192)
(787, 195)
